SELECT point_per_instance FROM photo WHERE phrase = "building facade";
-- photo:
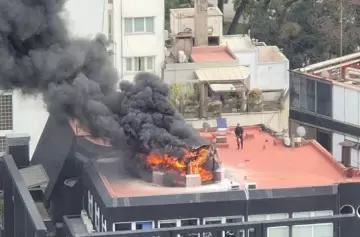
(137, 36)
(326, 104)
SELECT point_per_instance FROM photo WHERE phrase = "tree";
(239, 6)
(306, 28)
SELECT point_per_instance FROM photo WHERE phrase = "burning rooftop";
(265, 162)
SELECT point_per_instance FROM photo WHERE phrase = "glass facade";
(310, 95)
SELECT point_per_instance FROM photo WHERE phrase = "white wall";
(355, 154)
(271, 76)
(248, 58)
(85, 18)
(138, 45)
(29, 117)
(346, 103)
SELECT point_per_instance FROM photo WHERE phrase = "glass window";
(150, 63)
(139, 25)
(144, 225)
(122, 226)
(323, 230)
(139, 64)
(278, 231)
(128, 63)
(167, 223)
(110, 32)
(149, 21)
(128, 25)
(307, 94)
(302, 230)
(2, 144)
(294, 91)
(190, 222)
(324, 99)
(234, 219)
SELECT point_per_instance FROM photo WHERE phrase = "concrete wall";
(29, 116)
(179, 24)
(355, 154)
(271, 76)
(138, 45)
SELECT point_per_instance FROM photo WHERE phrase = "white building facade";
(136, 29)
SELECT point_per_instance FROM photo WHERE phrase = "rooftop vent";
(251, 186)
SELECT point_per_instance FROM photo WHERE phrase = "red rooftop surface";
(264, 161)
(212, 54)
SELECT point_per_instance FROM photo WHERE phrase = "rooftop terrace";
(264, 161)
(212, 54)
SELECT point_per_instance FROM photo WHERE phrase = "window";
(294, 91)
(2, 144)
(234, 219)
(90, 205)
(307, 94)
(167, 224)
(144, 225)
(139, 64)
(190, 222)
(103, 224)
(122, 226)
(97, 217)
(324, 99)
(316, 230)
(110, 25)
(278, 231)
(312, 214)
(6, 115)
(139, 25)
(213, 221)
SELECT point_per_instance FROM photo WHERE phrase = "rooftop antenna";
(341, 35)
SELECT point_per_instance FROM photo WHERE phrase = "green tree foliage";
(306, 28)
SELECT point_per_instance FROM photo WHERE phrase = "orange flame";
(195, 161)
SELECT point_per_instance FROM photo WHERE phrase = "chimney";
(346, 152)
(201, 26)
(18, 148)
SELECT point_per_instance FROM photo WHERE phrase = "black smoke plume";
(77, 80)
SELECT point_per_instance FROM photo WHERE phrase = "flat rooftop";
(212, 54)
(265, 161)
(270, 54)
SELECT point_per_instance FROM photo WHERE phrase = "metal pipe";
(330, 62)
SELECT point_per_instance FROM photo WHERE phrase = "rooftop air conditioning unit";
(234, 186)
(250, 186)
(181, 56)
(287, 141)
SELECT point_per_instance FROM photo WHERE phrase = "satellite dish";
(301, 131)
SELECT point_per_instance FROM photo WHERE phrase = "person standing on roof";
(239, 133)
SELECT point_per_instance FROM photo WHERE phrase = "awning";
(223, 74)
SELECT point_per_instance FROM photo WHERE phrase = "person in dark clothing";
(239, 133)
